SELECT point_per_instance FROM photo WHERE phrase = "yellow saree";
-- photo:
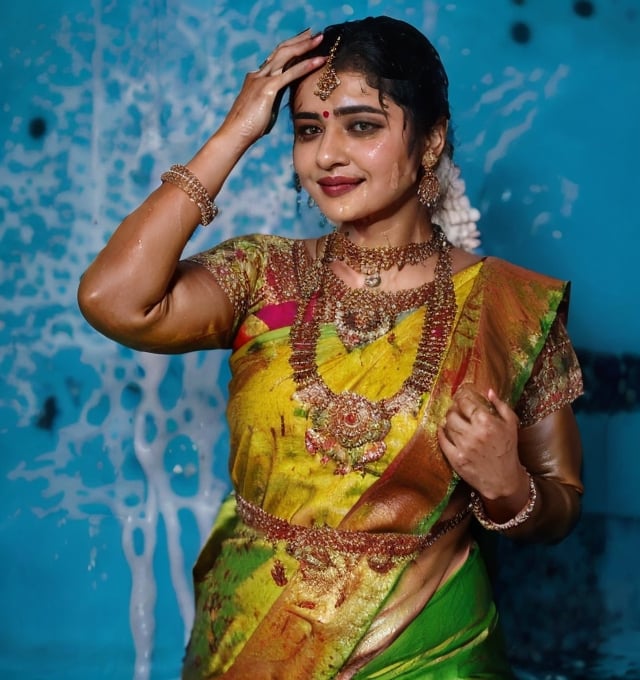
(302, 561)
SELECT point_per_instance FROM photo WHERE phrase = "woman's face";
(350, 153)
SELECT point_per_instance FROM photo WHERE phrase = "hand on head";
(255, 109)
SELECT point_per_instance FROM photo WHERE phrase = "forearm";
(137, 279)
(550, 451)
(136, 267)
(555, 513)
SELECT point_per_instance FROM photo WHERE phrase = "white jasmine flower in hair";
(455, 214)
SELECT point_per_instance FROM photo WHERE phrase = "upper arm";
(194, 313)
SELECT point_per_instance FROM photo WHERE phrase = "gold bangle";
(478, 510)
(184, 179)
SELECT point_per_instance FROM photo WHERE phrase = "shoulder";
(507, 272)
(253, 247)
(463, 259)
(495, 269)
(263, 242)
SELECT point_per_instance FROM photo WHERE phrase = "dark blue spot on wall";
(520, 32)
(583, 8)
(37, 127)
(611, 382)
(46, 417)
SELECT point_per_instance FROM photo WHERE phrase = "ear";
(436, 139)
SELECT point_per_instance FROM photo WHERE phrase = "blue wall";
(113, 462)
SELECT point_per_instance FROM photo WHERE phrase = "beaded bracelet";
(184, 179)
(478, 510)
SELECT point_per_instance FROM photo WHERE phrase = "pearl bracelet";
(478, 510)
(184, 179)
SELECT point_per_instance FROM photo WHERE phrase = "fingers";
(501, 407)
(256, 107)
(470, 405)
(473, 415)
(274, 71)
(287, 50)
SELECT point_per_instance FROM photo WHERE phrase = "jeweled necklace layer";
(370, 261)
(347, 427)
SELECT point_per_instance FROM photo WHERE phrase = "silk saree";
(300, 575)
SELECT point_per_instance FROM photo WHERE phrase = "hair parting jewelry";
(184, 179)
(429, 188)
(328, 79)
(478, 510)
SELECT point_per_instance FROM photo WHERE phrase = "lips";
(337, 186)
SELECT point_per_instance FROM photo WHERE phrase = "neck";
(411, 225)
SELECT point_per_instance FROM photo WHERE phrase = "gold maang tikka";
(328, 80)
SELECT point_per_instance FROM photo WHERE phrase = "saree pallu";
(270, 608)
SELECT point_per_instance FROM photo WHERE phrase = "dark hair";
(397, 60)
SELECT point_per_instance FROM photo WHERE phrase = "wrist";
(504, 514)
(215, 160)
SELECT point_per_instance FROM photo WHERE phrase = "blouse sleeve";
(556, 379)
(550, 447)
(238, 267)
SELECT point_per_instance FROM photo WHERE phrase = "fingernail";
(305, 30)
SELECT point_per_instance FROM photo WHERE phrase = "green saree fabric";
(455, 636)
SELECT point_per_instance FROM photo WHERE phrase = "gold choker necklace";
(347, 427)
(370, 261)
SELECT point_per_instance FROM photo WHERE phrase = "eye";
(364, 127)
(307, 131)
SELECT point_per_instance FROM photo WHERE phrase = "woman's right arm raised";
(137, 291)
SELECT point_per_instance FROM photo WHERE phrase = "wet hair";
(396, 59)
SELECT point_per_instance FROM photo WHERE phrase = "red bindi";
(325, 114)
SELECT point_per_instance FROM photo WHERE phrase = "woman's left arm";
(551, 451)
(530, 473)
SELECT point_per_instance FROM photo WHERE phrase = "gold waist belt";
(319, 542)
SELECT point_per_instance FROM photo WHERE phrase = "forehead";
(353, 89)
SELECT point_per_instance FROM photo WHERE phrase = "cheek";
(402, 174)
(395, 174)
(300, 160)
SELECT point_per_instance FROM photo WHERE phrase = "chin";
(343, 213)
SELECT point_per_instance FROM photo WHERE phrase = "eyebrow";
(342, 111)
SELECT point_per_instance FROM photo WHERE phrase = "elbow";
(106, 309)
(90, 300)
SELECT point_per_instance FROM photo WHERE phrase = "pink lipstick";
(337, 186)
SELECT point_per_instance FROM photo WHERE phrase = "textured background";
(112, 463)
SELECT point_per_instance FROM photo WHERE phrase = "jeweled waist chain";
(300, 539)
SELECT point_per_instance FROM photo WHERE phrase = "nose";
(332, 149)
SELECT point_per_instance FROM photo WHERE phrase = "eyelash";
(308, 132)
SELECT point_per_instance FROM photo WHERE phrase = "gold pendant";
(372, 280)
(348, 430)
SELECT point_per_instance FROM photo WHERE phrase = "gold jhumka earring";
(328, 80)
(429, 188)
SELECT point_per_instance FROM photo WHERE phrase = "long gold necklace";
(345, 426)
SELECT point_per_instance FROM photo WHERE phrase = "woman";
(386, 386)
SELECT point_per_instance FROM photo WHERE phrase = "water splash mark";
(136, 96)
